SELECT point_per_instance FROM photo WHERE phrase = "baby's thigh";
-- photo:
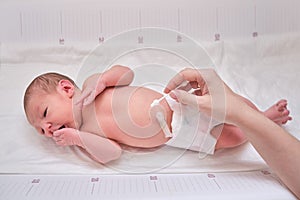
(228, 136)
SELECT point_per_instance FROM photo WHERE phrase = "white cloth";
(251, 67)
(191, 129)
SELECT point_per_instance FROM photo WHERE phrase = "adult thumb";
(201, 103)
(185, 98)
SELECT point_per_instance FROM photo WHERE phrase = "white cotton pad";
(163, 124)
(161, 118)
(156, 101)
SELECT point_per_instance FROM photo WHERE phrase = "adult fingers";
(201, 103)
(188, 74)
(184, 97)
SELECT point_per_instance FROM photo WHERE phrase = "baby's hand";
(92, 87)
(67, 137)
(89, 94)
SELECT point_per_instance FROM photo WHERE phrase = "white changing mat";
(24, 151)
(262, 69)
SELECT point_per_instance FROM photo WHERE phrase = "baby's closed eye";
(45, 112)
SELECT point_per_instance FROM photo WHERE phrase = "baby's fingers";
(83, 96)
(58, 133)
(89, 99)
(59, 140)
(61, 143)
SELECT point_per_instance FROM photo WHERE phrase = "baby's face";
(50, 112)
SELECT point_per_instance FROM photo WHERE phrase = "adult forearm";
(278, 148)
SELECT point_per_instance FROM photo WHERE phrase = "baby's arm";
(115, 76)
(101, 149)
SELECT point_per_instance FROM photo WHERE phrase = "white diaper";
(191, 129)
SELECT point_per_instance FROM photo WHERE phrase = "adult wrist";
(238, 112)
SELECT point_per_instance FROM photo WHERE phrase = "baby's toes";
(285, 112)
(281, 106)
(286, 120)
(282, 101)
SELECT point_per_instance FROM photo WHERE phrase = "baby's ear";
(66, 87)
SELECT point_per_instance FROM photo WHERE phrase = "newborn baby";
(108, 112)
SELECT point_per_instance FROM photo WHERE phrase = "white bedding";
(264, 69)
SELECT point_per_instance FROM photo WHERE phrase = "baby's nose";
(47, 129)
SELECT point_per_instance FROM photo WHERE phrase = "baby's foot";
(279, 112)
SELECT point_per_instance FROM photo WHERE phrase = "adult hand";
(276, 146)
(213, 98)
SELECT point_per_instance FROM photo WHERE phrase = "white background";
(42, 21)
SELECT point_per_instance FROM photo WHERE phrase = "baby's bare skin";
(120, 114)
(123, 115)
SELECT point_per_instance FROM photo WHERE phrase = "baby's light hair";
(45, 83)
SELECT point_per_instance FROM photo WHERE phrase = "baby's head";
(48, 103)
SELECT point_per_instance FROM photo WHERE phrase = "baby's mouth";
(63, 126)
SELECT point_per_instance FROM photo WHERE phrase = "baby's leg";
(232, 136)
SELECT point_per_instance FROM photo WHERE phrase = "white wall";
(91, 20)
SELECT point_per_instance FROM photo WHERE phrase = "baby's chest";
(90, 121)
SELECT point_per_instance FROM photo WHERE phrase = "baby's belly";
(124, 115)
